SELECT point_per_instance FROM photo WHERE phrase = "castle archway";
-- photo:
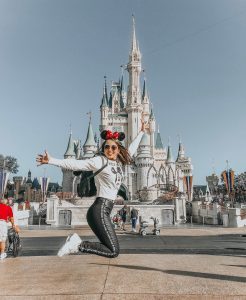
(163, 178)
(152, 176)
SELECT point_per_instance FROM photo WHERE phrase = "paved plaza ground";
(181, 263)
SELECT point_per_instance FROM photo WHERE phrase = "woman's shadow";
(180, 272)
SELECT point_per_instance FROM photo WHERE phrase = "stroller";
(144, 227)
(13, 242)
(116, 220)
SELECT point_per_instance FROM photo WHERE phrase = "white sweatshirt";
(108, 181)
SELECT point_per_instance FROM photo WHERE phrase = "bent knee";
(115, 253)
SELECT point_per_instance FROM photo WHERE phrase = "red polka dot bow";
(110, 135)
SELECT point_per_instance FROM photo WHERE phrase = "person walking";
(123, 214)
(134, 218)
(6, 215)
(110, 160)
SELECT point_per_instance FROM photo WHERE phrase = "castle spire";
(29, 177)
(70, 147)
(90, 140)
(145, 96)
(152, 116)
(134, 39)
(122, 86)
(105, 90)
(135, 55)
(181, 150)
(133, 107)
(144, 90)
(158, 141)
(169, 152)
(90, 145)
(105, 94)
(122, 89)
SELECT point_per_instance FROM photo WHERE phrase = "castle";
(154, 168)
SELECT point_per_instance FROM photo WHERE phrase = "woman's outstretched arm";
(135, 143)
(92, 164)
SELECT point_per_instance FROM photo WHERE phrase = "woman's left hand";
(17, 228)
(43, 158)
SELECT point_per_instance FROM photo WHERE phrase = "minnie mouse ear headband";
(109, 135)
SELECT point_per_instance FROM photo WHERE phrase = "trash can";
(225, 219)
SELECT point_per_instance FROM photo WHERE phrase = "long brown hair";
(124, 156)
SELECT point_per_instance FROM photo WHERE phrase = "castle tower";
(181, 153)
(122, 92)
(116, 104)
(68, 175)
(134, 107)
(90, 146)
(77, 148)
(170, 165)
(144, 161)
(28, 186)
(145, 102)
(29, 178)
(182, 162)
(104, 108)
(184, 169)
(70, 153)
(152, 131)
(160, 153)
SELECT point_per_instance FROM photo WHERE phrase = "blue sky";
(54, 54)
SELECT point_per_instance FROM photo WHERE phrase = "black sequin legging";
(98, 218)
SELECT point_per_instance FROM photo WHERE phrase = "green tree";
(9, 163)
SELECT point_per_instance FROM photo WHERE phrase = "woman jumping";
(107, 181)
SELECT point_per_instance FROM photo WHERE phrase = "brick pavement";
(129, 276)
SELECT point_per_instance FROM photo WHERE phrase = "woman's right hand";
(143, 124)
(42, 159)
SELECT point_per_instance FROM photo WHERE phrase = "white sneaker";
(71, 245)
(3, 255)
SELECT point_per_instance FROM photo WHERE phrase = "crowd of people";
(122, 216)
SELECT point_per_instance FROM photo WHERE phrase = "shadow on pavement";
(235, 266)
(182, 273)
(206, 275)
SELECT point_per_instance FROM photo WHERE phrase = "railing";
(203, 206)
(24, 206)
(211, 207)
(223, 209)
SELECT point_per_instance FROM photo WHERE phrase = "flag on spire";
(3, 181)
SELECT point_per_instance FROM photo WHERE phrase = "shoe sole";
(67, 240)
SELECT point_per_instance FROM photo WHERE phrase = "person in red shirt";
(6, 215)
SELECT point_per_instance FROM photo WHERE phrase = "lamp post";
(228, 181)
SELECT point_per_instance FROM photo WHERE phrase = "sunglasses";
(113, 147)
